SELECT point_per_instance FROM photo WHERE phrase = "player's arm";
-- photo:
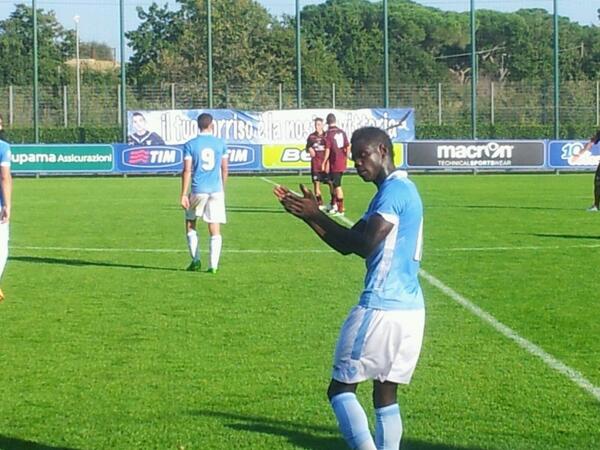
(186, 176)
(224, 168)
(588, 146)
(6, 184)
(326, 159)
(309, 148)
(361, 239)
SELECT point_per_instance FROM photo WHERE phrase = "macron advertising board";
(475, 154)
(565, 154)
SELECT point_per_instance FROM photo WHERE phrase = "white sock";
(352, 421)
(388, 427)
(3, 247)
(192, 240)
(215, 250)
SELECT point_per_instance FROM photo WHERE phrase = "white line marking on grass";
(513, 248)
(164, 250)
(550, 360)
(575, 376)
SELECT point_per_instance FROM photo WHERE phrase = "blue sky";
(99, 19)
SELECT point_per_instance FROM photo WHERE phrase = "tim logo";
(241, 155)
(152, 158)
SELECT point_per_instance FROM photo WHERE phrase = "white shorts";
(210, 207)
(379, 345)
(4, 234)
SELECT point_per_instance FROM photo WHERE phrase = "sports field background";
(107, 343)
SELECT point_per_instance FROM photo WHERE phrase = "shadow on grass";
(566, 236)
(11, 443)
(81, 262)
(256, 209)
(310, 437)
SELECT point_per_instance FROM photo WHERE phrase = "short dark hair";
(330, 118)
(138, 114)
(204, 121)
(373, 137)
(318, 119)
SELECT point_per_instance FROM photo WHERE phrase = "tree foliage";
(16, 47)
(342, 42)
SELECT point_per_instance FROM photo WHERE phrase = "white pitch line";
(163, 250)
(513, 248)
(550, 360)
(560, 367)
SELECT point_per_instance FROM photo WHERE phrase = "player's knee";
(335, 388)
(384, 394)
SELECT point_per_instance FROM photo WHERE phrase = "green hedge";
(109, 135)
(87, 135)
(503, 131)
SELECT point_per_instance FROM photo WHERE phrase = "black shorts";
(320, 177)
(336, 178)
(597, 175)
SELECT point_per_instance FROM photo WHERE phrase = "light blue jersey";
(206, 153)
(392, 280)
(4, 161)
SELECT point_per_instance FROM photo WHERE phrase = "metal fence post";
(119, 109)
(492, 104)
(280, 87)
(439, 95)
(10, 105)
(598, 103)
(172, 95)
(65, 108)
(333, 95)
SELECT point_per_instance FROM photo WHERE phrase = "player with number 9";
(203, 179)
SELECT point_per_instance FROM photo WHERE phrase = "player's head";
(372, 152)
(319, 125)
(330, 119)
(205, 122)
(139, 122)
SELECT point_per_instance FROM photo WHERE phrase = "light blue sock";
(388, 427)
(352, 421)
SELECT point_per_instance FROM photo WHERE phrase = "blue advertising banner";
(169, 158)
(565, 154)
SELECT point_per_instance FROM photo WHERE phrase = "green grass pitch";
(107, 343)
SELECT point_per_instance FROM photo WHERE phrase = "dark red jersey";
(317, 143)
(337, 141)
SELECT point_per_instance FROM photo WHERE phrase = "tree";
(55, 45)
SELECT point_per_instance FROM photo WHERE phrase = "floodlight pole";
(78, 69)
(474, 74)
(556, 75)
(386, 60)
(209, 52)
(123, 80)
(36, 109)
(298, 59)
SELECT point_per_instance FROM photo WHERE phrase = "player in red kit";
(337, 147)
(315, 145)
